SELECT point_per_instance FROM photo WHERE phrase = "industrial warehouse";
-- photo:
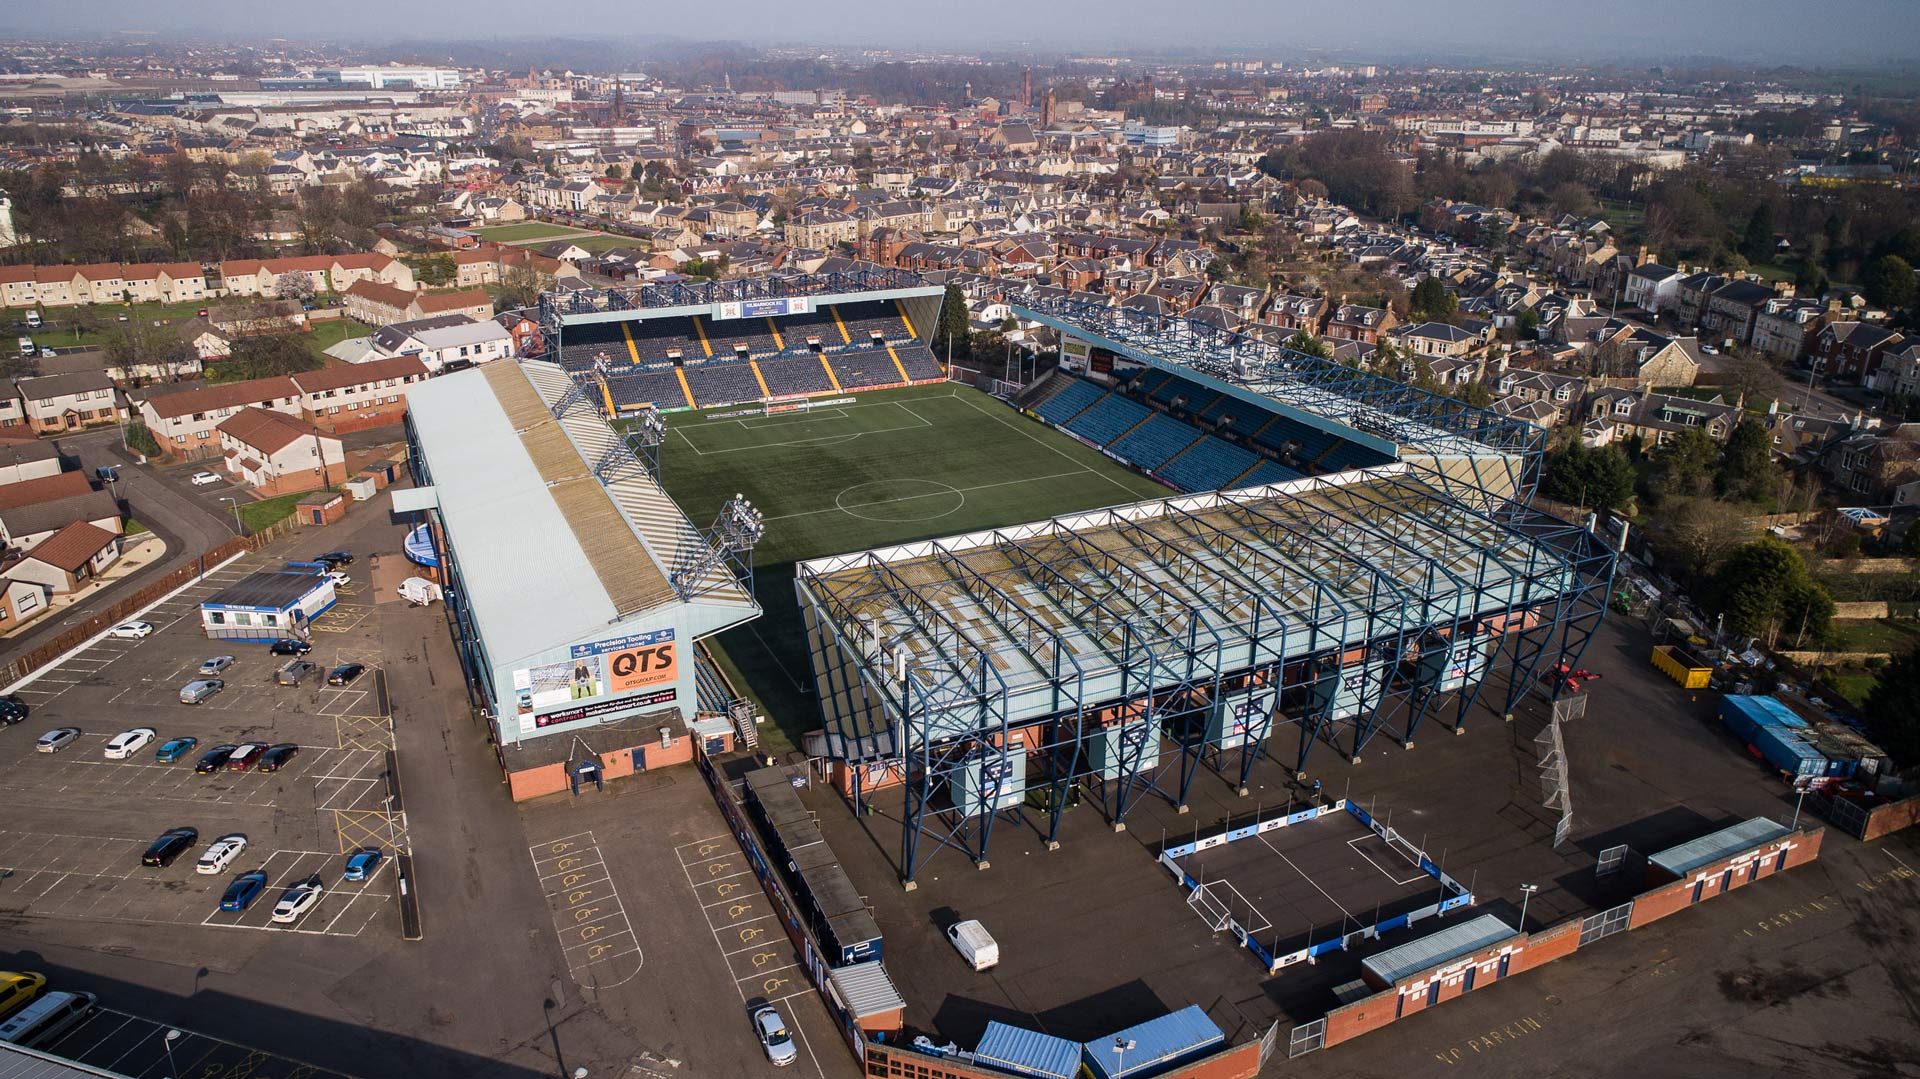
(1134, 707)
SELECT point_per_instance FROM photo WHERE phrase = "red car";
(244, 757)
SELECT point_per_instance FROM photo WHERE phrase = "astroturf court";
(887, 467)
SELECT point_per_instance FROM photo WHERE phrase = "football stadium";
(1103, 634)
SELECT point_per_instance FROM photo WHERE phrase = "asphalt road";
(159, 500)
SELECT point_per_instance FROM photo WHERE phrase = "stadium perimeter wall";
(1240, 1062)
(1454, 978)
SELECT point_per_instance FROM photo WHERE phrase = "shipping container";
(1680, 665)
(1745, 715)
(1782, 748)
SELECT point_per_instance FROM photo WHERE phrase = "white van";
(46, 1019)
(974, 944)
(33, 320)
(418, 591)
(26, 346)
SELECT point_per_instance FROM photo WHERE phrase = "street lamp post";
(1526, 893)
(172, 1036)
(1120, 1047)
(239, 526)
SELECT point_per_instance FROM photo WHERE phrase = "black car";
(345, 673)
(12, 709)
(335, 559)
(276, 757)
(171, 844)
(290, 646)
(214, 759)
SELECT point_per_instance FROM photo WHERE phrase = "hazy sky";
(1773, 31)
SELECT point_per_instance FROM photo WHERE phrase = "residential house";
(1871, 465)
(1353, 322)
(66, 560)
(1733, 308)
(375, 304)
(1435, 339)
(22, 527)
(1784, 329)
(1900, 373)
(446, 339)
(183, 420)
(27, 460)
(1618, 413)
(1558, 395)
(68, 402)
(1652, 288)
(1853, 350)
(1299, 314)
(278, 454)
(362, 395)
(259, 317)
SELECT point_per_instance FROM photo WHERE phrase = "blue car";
(244, 890)
(362, 863)
(175, 749)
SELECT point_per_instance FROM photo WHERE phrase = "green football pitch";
(887, 467)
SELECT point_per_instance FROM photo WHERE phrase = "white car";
(127, 743)
(298, 900)
(131, 631)
(339, 579)
(774, 1039)
(220, 854)
(201, 479)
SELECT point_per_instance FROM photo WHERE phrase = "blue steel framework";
(1410, 417)
(940, 656)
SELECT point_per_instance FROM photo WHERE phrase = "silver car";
(56, 739)
(200, 689)
(216, 665)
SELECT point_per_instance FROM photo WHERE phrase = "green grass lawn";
(1876, 635)
(890, 467)
(329, 332)
(1853, 683)
(525, 230)
(589, 241)
(267, 512)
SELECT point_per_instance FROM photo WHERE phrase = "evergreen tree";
(953, 328)
(1758, 242)
(1893, 709)
(1746, 471)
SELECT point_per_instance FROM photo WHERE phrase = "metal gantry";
(1122, 652)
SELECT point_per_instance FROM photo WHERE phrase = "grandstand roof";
(704, 297)
(1154, 592)
(549, 552)
(1411, 418)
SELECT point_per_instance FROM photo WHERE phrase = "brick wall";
(1723, 876)
(535, 782)
(346, 420)
(1892, 816)
(1239, 1062)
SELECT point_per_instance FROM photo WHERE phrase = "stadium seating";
(1208, 466)
(1155, 442)
(1247, 418)
(1108, 419)
(919, 362)
(722, 383)
(1168, 390)
(579, 345)
(655, 341)
(1268, 472)
(862, 367)
(1069, 402)
(863, 319)
(638, 387)
(787, 375)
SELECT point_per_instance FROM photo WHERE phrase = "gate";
(1605, 924)
(1846, 815)
(1303, 1040)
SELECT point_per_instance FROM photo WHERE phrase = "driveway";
(158, 500)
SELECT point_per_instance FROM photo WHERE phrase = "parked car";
(12, 709)
(213, 759)
(339, 579)
(293, 672)
(220, 854)
(172, 843)
(334, 559)
(174, 749)
(131, 631)
(298, 899)
(244, 756)
(243, 891)
(56, 739)
(276, 757)
(290, 646)
(201, 479)
(362, 863)
(774, 1039)
(216, 665)
(19, 986)
(345, 673)
(127, 743)
(200, 689)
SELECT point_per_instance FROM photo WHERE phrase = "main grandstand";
(699, 345)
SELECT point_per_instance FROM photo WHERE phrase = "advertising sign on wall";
(1074, 355)
(601, 669)
(786, 305)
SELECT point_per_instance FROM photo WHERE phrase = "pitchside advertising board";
(788, 305)
(599, 678)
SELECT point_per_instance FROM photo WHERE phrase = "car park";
(172, 844)
(17, 987)
(56, 739)
(774, 1039)
(216, 665)
(298, 900)
(131, 631)
(127, 743)
(213, 759)
(220, 854)
(362, 863)
(200, 689)
(290, 646)
(293, 672)
(201, 479)
(243, 891)
(12, 709)
(276, 757)
(344, 674)
(174, 749)
(244, 756)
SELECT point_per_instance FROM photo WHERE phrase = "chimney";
(1833, 306)
(1642, 260)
